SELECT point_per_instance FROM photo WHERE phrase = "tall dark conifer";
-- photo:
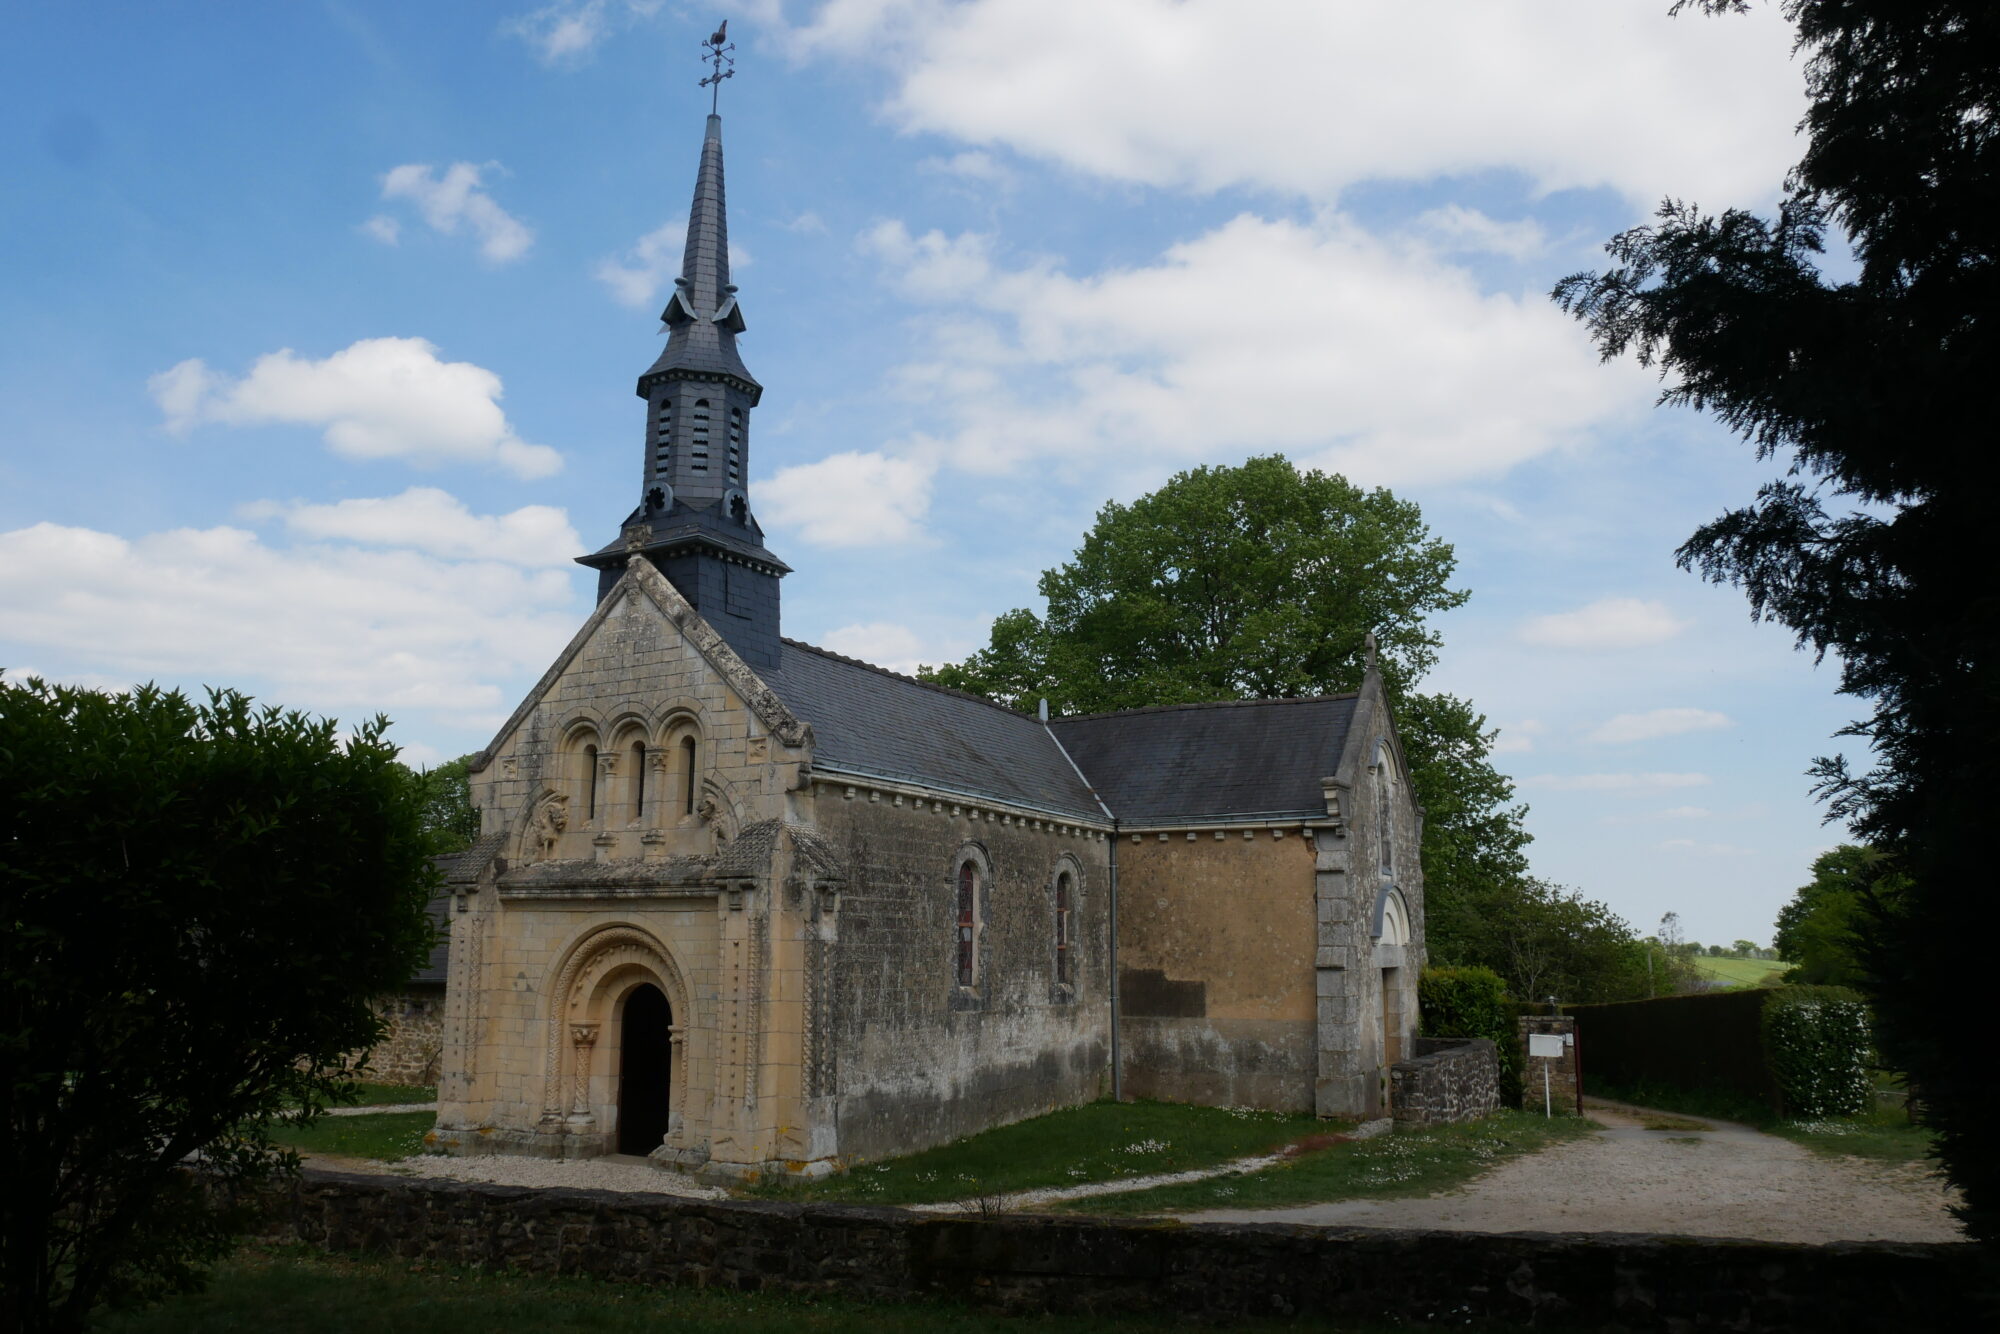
(1874, 546)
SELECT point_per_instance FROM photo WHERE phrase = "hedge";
(1473, 1003)
(1801, 1051)
(1817, 1040)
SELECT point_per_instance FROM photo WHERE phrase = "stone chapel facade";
(742, 905)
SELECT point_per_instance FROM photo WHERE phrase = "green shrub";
(1817, 1042)
(1464, 1003)
(1473, 1003)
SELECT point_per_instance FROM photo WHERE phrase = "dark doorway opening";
(645, 1070)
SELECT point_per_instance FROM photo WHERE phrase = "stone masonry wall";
(1215, 956)
(1214, 1272)
(410, 1052)
(913, 1059)
(1448, 1080)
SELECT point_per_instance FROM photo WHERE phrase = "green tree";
(1260, 581)
(1817, 932)
(200, 902)
(1546, 940)
(449, 814)
(1873, 381)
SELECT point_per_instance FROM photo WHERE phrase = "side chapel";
(743, 905)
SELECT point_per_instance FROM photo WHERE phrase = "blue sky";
(322, 322)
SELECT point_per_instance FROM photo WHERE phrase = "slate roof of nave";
(870, 721)
(1239, 758)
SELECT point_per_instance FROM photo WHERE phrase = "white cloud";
(383, 228)
(336, 629)
(978, 166)
(1518, 738)
(453, 200)
(566, 33)
(884, 643)
(1368, 356)
(807, 223)
(1633, 783)
(638, 276)
(1608, 623)
(848, 500)
(1568, 92)
(1459, 228)
(424, 518)
(1657, 723)
(377, 398)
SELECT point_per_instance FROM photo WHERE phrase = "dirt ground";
(1726, 1181)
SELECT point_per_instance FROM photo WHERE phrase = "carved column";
(677, 1073)
(583, 1039)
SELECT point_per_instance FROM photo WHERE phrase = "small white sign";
(1546, 1044)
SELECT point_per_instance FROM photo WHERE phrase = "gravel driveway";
(1727, 1181)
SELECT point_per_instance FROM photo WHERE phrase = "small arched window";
(638, 780)
(590, 782)
(688, 757)
(1065, 895)
(968, 923)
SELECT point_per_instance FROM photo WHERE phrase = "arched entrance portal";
(645, 1069)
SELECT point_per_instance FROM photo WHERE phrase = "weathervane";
(716, 53)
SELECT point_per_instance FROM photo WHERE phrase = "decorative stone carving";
(583, 1038)
(546, 826)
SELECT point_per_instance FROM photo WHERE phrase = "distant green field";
(1739, 972)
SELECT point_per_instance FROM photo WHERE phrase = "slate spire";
(693, 519)
(702, 316)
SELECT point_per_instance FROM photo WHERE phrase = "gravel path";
(1727, 1181)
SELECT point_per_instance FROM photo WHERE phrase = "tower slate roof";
(1185, 762)
(702, 316)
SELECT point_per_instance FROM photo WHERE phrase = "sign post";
(1546, 1047)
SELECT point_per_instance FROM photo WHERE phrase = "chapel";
(741, 905)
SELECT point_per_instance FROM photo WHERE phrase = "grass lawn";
(294, 1291)
(1097, 1142)
(1406, 1164)
(1885, 1136)
(390, 1136)
(1739, 972)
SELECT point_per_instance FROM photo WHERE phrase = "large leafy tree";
(449, 814)
(1873, 381)
(1820, 931)
(1261, 580)
(200, 901)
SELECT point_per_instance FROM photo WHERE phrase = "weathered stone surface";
(1214, 1272)
(1448, 1080)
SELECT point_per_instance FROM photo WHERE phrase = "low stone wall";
(411, 1051)
(1449, 1079)
(1206, 1271)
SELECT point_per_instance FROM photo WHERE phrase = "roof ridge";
(912, 680)
(1207, 704)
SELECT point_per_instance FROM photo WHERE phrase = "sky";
(322, 322)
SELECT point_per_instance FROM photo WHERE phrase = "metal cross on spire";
(716, 52)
